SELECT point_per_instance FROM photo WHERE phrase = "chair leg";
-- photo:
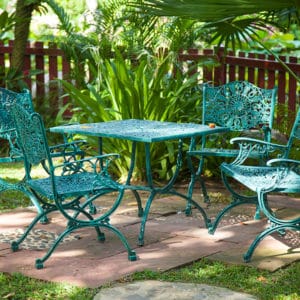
(74, 222)
(15, 244)
(144, 218)
(139, 203)
(39, 263)
(201, 180)
(188, 208)
(237, 199)
(276, 224)
(262, 235)
(196, 175)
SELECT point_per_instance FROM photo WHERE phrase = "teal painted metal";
(7, 132)
(241, 107)
(280, 174)
(7, 124)
(147, 132)
(68, 192)
(68, 150)
(140, 130)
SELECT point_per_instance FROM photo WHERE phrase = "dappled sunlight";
(16, 219)
(69, 253)
(222, 234)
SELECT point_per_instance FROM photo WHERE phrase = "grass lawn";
(282, 284)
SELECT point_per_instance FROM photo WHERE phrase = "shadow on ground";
(171, 240)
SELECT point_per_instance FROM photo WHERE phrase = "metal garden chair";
(68, 150)
(242, 107)
(63, 190)
(280, 175)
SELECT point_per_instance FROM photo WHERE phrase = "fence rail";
(260, 69)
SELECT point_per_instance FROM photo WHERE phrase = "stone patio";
(171, 240)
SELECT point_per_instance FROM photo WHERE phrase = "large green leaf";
(143, 89)
(212, 10)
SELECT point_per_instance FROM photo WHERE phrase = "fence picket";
(259, 69)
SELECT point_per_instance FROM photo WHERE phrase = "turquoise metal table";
(147, 132)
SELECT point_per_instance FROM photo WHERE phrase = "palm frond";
(64, 19)
(212, 10)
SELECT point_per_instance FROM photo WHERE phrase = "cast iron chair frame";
(243, 108)
(68, 150)
(69, 191)
(280, 175)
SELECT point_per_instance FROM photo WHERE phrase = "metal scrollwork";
(238, 105)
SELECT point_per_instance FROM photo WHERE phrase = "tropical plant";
(126, 78)
(22, 17)
(6, 24)
(230, 22)
(150, 89)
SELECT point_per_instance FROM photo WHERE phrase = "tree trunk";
(21, 32)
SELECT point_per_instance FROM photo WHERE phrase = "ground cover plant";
(280, 285)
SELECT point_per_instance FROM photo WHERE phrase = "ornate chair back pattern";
(32, 138)
(239, 105)
(7, 126)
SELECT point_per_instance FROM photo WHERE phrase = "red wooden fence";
(260, 69)
(49, 63)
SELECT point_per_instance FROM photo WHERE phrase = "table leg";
(168, 188)
(153, 190)
(130, 172)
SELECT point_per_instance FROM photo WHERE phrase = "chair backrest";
(239, 105)
(7, 97)
(6, 121)
(31, 137)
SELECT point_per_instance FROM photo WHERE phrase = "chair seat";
(73, 185)
(255, 177)
(216, 152)
(222, 152)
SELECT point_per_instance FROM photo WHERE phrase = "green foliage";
(147, 88)
(144, 85)
(281, 284)
(211, 11)
(6, 24)
(18, 287)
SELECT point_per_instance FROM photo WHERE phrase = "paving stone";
(270, 255)
(171, 240)
(157, 290)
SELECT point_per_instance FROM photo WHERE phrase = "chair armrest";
(74, 144)
(256, 141)
(283, 162)
(96, 164)
(109, 156)
(254, 148)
